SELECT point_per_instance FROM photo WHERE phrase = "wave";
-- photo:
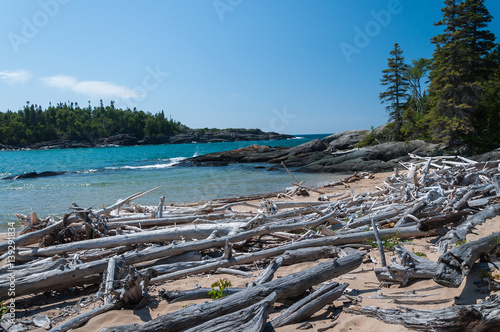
(171, 162)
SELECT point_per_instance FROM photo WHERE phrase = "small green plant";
(387, 242)
(390, 242)
(420, 254)
(3, 309)
(218, 288)
(460, 242)
(497, 239)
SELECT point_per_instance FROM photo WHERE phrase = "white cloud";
(15, 76)
(96, 89)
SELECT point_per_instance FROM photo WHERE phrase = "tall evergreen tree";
(459, 69)
(395, 96)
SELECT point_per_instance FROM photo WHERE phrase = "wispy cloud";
(15, 76)
(96, 89)
(233, 95)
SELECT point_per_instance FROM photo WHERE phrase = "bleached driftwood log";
(481, 317)
(460, 232)
(456, 264)
(309, 305)
(250, 319)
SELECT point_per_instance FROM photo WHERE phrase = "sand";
(364, 285)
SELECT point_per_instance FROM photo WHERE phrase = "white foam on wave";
(171, 162)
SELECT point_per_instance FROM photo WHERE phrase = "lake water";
(104, 175)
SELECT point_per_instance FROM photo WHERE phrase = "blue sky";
(292, 66)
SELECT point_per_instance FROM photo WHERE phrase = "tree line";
(461, 104)
(32, 124)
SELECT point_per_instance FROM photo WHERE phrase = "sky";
(290, 66)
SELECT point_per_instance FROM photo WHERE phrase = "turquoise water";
(104, 175)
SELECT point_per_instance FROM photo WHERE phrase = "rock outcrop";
(323, 155)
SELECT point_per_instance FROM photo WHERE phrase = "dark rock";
(346, 139)
(160, 139)
(32, 175)
(120, 140)
(382, 157)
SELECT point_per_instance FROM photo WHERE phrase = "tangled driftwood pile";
(126, 250)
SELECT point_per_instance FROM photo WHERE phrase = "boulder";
(346, 140)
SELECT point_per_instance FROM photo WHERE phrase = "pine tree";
(395, 96)
(460, 67)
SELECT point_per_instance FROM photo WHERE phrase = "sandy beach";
(363, 285)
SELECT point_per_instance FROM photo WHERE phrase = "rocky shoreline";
(189, 136)
(335, 154)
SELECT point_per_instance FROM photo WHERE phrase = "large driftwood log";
(460, 232)
(85, 317)
(440, 220)
(481, 317)
(166, 221)
(309, 305)
(251, 319)
(286, 287)
(410, 267)
(170, 234)
(455, 265)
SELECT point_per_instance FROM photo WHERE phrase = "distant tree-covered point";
(32, 124)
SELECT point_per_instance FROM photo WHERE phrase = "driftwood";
(286, 287)
(484, 316)
(250, 319)
(410, 267)
(309, 305)
(459, 233)
(268, 273)
(456, 264)
(59, 279)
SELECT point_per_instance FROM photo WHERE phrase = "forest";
(453, 97)
(33, 124)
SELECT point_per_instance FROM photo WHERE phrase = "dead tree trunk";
(460, 232)
(481, 317)
(455, 265)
